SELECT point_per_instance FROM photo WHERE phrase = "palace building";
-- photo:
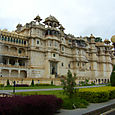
(43, 52)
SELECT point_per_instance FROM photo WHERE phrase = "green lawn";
(35, 87)
(58, 93)
(67, 102)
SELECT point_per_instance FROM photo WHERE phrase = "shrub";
(112, 77)
(29, 105)
(44, 84)
(32, 83)
(8, 83)
(73, 103)
(112, 94)
(52, 82)
(21, 85)
(96, 95)
(1, 85)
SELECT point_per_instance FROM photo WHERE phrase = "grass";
(68, 103)
(35, 87)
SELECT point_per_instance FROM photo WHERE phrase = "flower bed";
(30, 105)
(21, 85)
(97, 95)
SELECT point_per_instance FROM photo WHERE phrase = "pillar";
(18, 73)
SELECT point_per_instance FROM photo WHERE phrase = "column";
(18, 73)
(10, 73)
(8, 61)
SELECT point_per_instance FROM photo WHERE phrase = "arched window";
(8, 38)
(11, 39)
(24, 42)
(19, 41)
(16, 40)
(3, 37)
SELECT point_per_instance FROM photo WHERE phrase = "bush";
(73, 103)
(112, 94)
(52, 83)
(21, 85)
(32, 83)
(94, 97)
(112, 77)
(44, 84)
(1, 85)
(30, 105)
(8, 83)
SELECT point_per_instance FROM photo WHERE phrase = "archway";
(23, 74)
(14, 73)
(4, 73)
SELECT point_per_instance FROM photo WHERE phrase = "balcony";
(13, 54)
(11, 66)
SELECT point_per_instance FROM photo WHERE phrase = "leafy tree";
(52, 82)
(8, 82)
(112, 77)
(32, 83)
(69, 84)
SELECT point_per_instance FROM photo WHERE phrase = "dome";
(52, 19)
(91, 36)
(37, 18)
(113, 39)
(61, 27)
(106, 41)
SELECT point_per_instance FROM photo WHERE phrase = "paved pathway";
(52, 89)
(91, 107)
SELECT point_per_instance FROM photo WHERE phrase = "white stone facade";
(38, 50)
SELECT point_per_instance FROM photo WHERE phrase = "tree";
(32, 83)
(112, 77)
(69, 84)
(8, 82)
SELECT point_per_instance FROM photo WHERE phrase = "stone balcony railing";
(12, 66)
(14, 54)
(12, 43)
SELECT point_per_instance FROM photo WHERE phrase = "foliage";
(74, 102)
(1, 85)
(69, 84)
(30, 105)
(43, 84)
(21, 85)
(32, 83)
(97, 94)
(52, 82)
(112, 77)
(94, 95)
(86, 83)
(8, 83)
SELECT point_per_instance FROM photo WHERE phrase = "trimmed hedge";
(95, 97)
(21, 85)
(30, 105)
(44, 84)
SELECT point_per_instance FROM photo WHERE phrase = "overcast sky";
(79, 17)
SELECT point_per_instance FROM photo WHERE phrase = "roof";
(52, 19)
(113, 39)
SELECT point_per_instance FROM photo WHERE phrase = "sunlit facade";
(42, 51)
